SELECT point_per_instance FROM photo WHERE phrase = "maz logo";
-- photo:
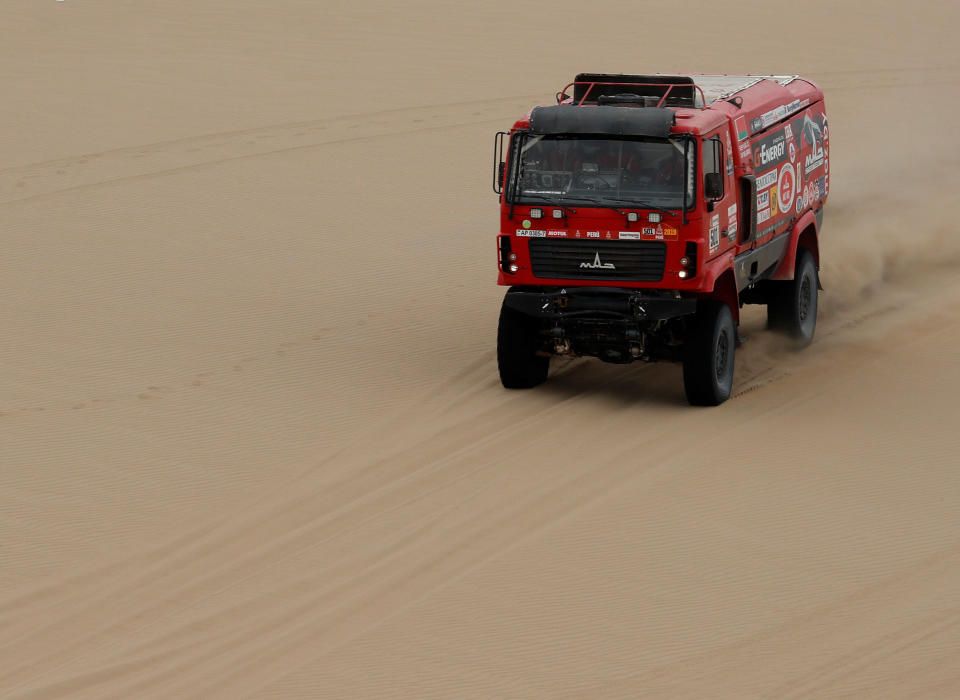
(597, 265)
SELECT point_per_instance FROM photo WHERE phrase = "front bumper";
(599, 302)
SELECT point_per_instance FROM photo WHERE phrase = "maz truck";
(639, 213)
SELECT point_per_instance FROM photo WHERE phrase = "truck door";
(722, 215)
(729, 216)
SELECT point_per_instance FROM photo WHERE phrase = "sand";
(252, 441)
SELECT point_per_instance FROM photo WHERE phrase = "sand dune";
(251, 435)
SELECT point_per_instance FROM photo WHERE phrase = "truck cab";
(639, 213)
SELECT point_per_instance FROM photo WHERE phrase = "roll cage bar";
(666, 87)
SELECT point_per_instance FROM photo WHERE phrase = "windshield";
(646, 173)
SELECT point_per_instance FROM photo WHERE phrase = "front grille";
(638, 261)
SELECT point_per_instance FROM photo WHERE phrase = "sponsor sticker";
(531, 233)
(813, 135)
(763, 215)
(813, 161)
(774, 115)
(744, 150)
(763, 200)
(796, 106)
(793, 152)
(741, 125)
(629, 235)
(822, 187)
(593, 234)
(767, 179)
(799, 206)
(659, 232)
(771, 150)
(732, 221)
(556, 234)
(714, 232)
(786, 187)
(773, 201)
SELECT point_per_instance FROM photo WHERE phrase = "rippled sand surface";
(252, 441)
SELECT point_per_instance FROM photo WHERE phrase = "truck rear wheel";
(792, 307)
(708, 358)
(518, 343)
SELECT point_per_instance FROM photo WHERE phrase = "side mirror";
(712, 187)
(498, 163)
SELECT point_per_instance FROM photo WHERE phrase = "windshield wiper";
(560, 203)
(606, 202)
(541, 197)
(633, 203)
(636, 204)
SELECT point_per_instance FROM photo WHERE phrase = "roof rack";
(667, 90)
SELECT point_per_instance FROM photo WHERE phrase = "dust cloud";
(890, 229)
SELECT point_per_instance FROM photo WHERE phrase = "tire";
(518, 342)
(708, 360)
(792, 307)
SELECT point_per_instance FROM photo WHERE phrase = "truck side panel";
(791, 166)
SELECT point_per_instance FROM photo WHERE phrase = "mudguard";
(714, 268)
(807, 225)
(718, 277)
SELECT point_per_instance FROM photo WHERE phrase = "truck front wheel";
(518, 345)
(792, 307)
(709, 355)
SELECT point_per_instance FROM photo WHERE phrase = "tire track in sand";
(48, 178)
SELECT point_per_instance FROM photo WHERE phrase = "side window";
(713, 159)
(710, 156)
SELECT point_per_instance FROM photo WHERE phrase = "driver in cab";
(596, 164)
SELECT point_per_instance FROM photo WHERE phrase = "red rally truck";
(640, 213)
